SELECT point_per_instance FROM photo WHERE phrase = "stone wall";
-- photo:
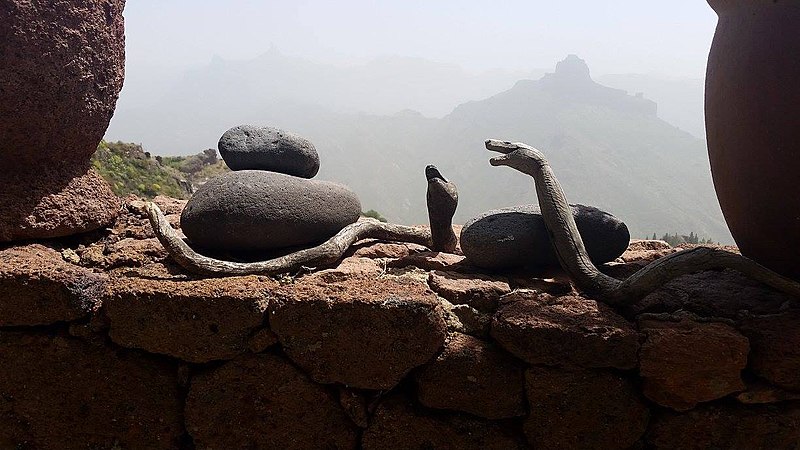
(104, 343)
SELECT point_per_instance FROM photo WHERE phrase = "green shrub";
(374, 214)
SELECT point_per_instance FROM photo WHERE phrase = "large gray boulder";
(246, 147)
(254, 210)
(516, 236)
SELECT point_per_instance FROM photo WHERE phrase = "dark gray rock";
(516, 236)
(255, 210)
(265, 148)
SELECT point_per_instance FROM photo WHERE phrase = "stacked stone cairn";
(269, 201)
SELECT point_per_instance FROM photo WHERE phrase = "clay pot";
(753, 127)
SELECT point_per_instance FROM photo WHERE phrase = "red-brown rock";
(431, 261)
(468, 320)
(262, 340)
(637, 245)
(58, 392)
(734, 427)
(479, 291)
(196, 321)
(473, 376)
(351, 267)
(564, 331)
(377, 249)
(54, 201)
(63, 66)
(170, 206)
(594, 410)
(263, 401)
(127, 252)
(396, 425)
(775, 347)
(759, 392)
(559, 285)
(713, 294)
(687, 362)
(37, 287)
(365, 333)
(638, 255)
(356, 406)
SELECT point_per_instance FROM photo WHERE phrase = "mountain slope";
(680, 100)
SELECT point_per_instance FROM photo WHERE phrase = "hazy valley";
(610, 149)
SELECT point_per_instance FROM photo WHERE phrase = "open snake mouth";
(505, 147)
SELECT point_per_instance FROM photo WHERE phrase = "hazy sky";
(613, 36)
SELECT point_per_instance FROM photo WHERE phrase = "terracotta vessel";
(753, 127)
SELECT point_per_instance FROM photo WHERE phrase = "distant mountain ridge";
(609, 149)
(680, 100)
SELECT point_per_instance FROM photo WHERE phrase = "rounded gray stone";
(516, 236)
(254, 210)
(247, 147)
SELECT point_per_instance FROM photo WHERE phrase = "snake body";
(442, 199)
(572, 255)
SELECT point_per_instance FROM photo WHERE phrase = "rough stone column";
(62, 65)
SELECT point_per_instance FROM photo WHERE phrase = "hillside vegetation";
(131, 170)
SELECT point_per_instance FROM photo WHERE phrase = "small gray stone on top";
(247, 147)
(516, 236)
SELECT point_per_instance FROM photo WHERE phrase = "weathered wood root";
(326, 253)
(571, 252)
(442, 202)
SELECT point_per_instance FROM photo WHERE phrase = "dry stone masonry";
(105, 342)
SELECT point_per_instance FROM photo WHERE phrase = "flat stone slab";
(760, 392)
(775, 347)
(479, 291)
(247, 147)
(734, 426)
(685, 363)
(397, 425)
(431, 261)
(61, 392)
(516, 236)
(38, 287)
(596, 410)
(713, 293)
(365, 333)
(473, 376)
(253, 210)
(566, 331)
(263, 401)
(196, 321)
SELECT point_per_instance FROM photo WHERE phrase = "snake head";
(442, 194)
(432, 173)
(516, 155)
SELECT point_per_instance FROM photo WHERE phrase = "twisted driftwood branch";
(442, 202)
(575, 261)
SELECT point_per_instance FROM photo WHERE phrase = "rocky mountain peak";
(573, 68)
